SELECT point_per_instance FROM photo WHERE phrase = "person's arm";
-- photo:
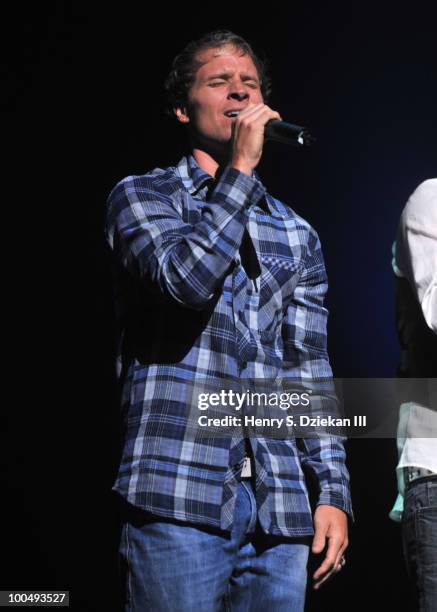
(188, 263)
(184, 262)
(306, 360)
(416, 248)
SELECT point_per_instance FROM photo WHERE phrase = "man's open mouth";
(232, 113)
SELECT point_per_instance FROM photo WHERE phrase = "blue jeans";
(173, 566)
(419, 532)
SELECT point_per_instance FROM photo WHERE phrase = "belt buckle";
(410, 474)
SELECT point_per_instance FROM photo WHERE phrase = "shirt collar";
(192, 175)
(195, 178)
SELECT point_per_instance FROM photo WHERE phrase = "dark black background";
(84, 108)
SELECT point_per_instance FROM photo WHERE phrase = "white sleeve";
(416, 248)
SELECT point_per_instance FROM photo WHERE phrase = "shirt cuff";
(331, 498)
(238, 187)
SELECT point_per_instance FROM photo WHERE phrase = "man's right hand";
(248, 136)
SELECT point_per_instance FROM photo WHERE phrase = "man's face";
(226, 81)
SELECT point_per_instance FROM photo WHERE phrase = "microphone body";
(287, 133)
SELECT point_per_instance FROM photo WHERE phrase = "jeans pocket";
(426, 526)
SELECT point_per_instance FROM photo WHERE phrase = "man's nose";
(238, 93)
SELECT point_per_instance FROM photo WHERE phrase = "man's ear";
(181, 114)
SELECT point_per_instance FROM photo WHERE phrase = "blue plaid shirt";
(193, 305)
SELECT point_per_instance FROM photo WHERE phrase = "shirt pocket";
(279, 277)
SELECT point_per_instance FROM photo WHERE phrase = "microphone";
(287, 133)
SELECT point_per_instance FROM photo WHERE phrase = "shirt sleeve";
(306, 360)
(416, 248)
(187, 263)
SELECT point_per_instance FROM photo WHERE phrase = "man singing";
(216, 279)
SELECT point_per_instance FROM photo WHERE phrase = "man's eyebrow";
(227, 75)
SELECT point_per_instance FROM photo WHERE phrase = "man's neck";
(207, 162)
(213, 164)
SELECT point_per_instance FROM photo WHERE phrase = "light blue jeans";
(173, 566)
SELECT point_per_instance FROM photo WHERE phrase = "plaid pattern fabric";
(215, 279)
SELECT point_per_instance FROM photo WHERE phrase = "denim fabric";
(174, 566)
(419, 530)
